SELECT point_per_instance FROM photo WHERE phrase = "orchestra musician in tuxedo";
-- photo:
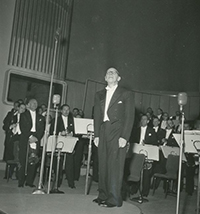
(113, 121)
(160, 133)
(159, 166)
(32, 127)
(65, 127)
(7, 122)
(144, 135)
(169, 139)
(159, 114)
(14, 140)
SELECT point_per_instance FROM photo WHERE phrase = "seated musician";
(144, 135)
(190, 166)
(32, 127)
(169, 139)
(65, 127)
(159, 166)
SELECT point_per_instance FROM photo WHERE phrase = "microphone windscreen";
(182, 98)
(56, 99)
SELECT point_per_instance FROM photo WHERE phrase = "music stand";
(63, 144)
(197, 146)
(190, 136)
(86, 127)
(166, 150)
(151, 154)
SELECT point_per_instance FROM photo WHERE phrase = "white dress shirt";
(168, 132)
(109, 94)
(142, 133)
(163, 124)
(16, 130)
(65, 121)
(33, 117)
(156, 129)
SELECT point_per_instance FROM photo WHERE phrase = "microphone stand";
(90, 133)
(180, 158)
(53, 148)
(40, 189)
(197, 147)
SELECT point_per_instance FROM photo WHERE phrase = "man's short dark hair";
(64, 106)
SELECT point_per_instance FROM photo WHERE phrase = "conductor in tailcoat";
(113, 122)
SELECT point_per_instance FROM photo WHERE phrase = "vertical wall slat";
(14, 28)
(29, 44)
(24, 51)
(33, 35)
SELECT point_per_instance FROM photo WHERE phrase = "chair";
(136, 167)
(171, 174)
(11, 164)
(136, 173)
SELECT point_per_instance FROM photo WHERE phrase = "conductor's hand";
(122, 142)
(96, 141)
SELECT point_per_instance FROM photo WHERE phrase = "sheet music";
(171, 150)
(192, 132)
(66, 144)
(150, 151)
(83, 125)
(189, 141)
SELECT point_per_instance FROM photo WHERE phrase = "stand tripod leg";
(140, 198)
(56, 190)
(198, 190)
(88, 165)
(51, 165)
(27, 154)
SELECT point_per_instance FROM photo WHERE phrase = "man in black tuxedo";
(144, 135)
(159, 166)
(169, 139)
(32, 127)
(113, 122)
(7, 122)
(65, 127)
(160, 133)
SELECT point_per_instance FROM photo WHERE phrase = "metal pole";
(180, 162)
(52, 148)
(88, 164)
(198, 193)
(40, 184)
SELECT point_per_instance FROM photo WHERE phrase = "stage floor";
(14, 200)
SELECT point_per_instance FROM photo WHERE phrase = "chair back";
(172, 165)
(136, 166)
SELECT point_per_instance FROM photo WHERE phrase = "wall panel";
(194, 107)
(75, 93)
(155, 102)
(167, 102)
(37, 25)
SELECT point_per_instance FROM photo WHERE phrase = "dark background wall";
(155, 44)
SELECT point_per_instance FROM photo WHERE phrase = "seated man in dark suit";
(65, 127)
(159, 166)
(169, 139)
(144, 135)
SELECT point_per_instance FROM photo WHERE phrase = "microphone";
(182, 99)
(56, 99)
